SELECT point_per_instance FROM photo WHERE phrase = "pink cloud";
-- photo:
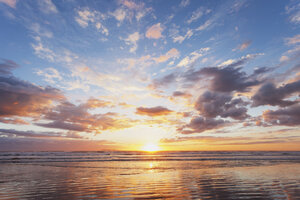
(10, 3)
(154, 31)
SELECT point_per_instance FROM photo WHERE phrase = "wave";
(34, 157)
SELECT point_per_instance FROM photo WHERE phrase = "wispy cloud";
(198, 14)
(172, 53)
(293, 40)
(86, 16)
(184, 3)
(243, 46)
(180, 39)
(293, 10)
(192, 58)
(51, 75)
(132, 40)
(10, 3)
(48, 7)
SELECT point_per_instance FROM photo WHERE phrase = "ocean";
(141, 175)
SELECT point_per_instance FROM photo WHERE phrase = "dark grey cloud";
(225, 78)
(289, 116)
(63, 125)
(178, 93)
(229, 79)
(164, 81)
(181, 94)
(7, 66)
(53, 144)
(261, 70)
(201, 124)
(22, 98)
(68, 116)
(268, 94)
(153, 111)
(213, 104)
(25, 99)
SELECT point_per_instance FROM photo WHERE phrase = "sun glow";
(150, 147)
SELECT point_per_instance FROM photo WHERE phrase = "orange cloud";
(172, 53)
(153, 111)
(154, 31)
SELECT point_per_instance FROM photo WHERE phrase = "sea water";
(142, 175)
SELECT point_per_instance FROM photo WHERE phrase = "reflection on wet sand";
(151, 180)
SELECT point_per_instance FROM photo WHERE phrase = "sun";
(150, 147)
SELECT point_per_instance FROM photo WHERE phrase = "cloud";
(13, 120)
(283, 59)
(285, 116)
(40, 32)
(40, 134)
(21, 98)
(68, 116)
(13, 144)
(10, 3)
(132, 40)
(243, 46)
(172, 53)
(293, 10)
(240, 61)
(97, 103)
(130, 9)
(180, 39)
(295, 18)
(154, 32)
(119, 14)
(293, 40)
(184, 3)
(164, 81)
(200, 124)
(131, 4)
(47, 6)
(192, 58)
(213, 104)
(294, 52)
(7, 66)
(268, 94)
(204, 26)
(225, 79)
(197, 14)
(153, 111)
(63, 125)
(43, 52)
(50, 74)
(181, 94)
(85, 17)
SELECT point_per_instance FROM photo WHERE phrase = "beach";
(140, 175)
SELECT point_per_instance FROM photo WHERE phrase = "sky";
(175, 74)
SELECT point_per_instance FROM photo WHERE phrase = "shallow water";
(135, 175)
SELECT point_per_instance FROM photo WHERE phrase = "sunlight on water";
(153, 178)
